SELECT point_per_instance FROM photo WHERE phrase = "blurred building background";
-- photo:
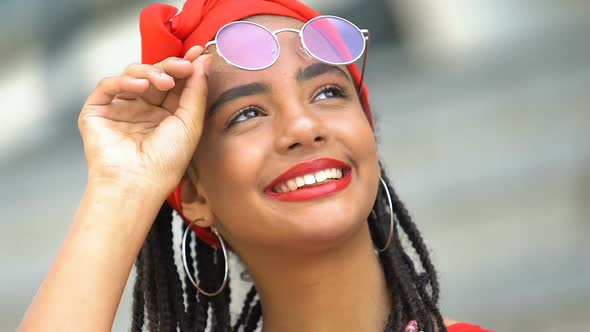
(483, 122)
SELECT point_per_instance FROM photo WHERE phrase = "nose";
(300, 128)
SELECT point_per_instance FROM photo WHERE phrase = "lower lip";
(315, 192)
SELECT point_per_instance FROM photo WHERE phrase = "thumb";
(193, 102)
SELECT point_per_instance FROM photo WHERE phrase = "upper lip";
(307, 167)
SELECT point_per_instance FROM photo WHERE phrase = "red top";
(463, 327)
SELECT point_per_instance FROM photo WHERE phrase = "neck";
(341, 289)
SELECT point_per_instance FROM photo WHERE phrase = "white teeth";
(299, 181)
(309, 179)
(284, 188)
(320, 176)
(292, 185)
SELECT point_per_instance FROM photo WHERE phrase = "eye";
(330, 91)
(245, 114)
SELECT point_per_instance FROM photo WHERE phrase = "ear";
(193, 201)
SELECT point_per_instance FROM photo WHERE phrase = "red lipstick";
(315, 191)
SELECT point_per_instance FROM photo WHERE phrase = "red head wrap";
(165, 34)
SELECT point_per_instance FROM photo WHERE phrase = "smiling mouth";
(309, 180)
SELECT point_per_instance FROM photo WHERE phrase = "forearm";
(83, 288)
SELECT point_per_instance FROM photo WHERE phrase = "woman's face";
(261, 124)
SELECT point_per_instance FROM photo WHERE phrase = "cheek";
(359, 139)
(356, 133)
(229, 170)
(365, 138)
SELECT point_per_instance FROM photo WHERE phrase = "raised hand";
(142, 127)
(140, 130)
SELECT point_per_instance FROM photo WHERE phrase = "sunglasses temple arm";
(360, 92)
(213, 42)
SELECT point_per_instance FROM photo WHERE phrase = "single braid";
(398, 304)
(416, 307)
(245, 308)
(220, 303)
(191, 291)
(202, 313)
(409, 306)
(149, 273)
(254, 318)
(221, 320)
(203, 265)
(138, 308)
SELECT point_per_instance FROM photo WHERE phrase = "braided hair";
(159, 301)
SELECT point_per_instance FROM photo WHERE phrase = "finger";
(193, 101)
(108, 88)
(169, 68)
(127, 96)
(124, 110)
(155, 75)
(172, 98)
(162, 76)
(178, 68)
(193, 53)
(134, 112)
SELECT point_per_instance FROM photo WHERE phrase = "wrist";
(136, 201)
(117, 214)
(129, 189)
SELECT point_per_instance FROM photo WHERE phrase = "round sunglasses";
(330, 39)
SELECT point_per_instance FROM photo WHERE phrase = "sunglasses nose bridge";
(301, 49)
(286, 30)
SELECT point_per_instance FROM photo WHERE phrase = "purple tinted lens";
(247, 45)
(334, 40)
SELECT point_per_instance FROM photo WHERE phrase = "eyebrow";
(318, 69)
(239, 92)
(306, 74)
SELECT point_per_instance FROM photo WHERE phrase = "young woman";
(262, 142)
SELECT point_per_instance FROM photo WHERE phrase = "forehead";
(273, 22)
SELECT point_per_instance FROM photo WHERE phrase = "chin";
(329, 221)
(326, 225)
